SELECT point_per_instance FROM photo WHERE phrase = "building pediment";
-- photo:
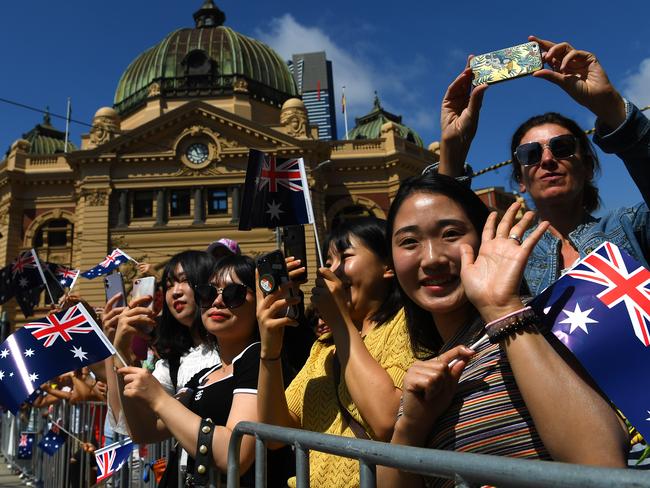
(166, 137)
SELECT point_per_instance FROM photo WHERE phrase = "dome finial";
(209, 16)
(47, 120)
(376, 103)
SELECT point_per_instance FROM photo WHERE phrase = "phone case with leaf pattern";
(505, 64)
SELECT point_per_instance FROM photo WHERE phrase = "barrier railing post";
(367, 474)
(260, 463)
(302, 466)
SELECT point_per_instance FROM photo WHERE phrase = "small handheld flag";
(275, 192)
(111, 458)
(600, 308)
(112, 261)
(52, 441)
(47, 347)
(25, 445)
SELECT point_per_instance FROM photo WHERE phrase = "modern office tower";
(313, 75)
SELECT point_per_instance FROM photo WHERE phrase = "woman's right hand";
(110, 316)
(459, 115)
(271, 317)
(428, 389)
(134, 320)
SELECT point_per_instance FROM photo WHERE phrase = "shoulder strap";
(174, 364)
(355, 426)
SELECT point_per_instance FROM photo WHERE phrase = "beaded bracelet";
(510, 324)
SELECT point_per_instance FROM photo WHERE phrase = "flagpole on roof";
(345, 112)
(68, 115)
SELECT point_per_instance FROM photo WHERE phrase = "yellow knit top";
(311, 397)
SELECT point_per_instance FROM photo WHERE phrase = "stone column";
(199, 211)
(161, 208)
(123, 211)
(236, 203)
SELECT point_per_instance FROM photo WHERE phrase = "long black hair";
(173, 339)
(423, 334)
(590, 197)
(371, 231)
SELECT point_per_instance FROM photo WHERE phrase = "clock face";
(197, 153)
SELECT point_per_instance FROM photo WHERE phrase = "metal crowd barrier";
(86, 422)
(466, 469)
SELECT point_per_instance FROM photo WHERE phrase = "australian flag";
(25, 445)
(111, 458)
(601, 310)
(65, 276)
(112, 261)
(276, 193)
(27, 281)
(53, 440)
(45, 348)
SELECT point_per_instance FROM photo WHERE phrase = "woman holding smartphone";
(221, 395)
(178, 334)
(351, 382)
(517, 394)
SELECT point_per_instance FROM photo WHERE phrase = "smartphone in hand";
(114, 284)
(273, 273)
(143, 287)
(505, 64)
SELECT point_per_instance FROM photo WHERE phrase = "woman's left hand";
(492, 279)
(329, 298)
(141, 384)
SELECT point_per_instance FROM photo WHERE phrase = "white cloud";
(636, 87)
(360, 71)
(288, 37)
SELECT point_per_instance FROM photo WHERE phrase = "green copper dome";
(45, 139)
(369, 126)
(209, 60)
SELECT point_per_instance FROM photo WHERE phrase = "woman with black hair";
(219, 396)
(179, 336)
(515, 392)
(351, 383)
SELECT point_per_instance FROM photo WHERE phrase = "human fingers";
(503, 229)
(281, 323)
(520, 227)
(281, 305)
(489, 228)
(458, 352)
(543, 43)
(258, 292)
(476, 98)
(139, 301)
(533, 238)
(112, 301)
(577, 58)
(556, 54)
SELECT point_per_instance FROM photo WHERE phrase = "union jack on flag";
(25, 260)
(111, 458)
(606, 267)
(600, 310)
(52, 327)
(111, 262)
(285, 174)
(66, 276)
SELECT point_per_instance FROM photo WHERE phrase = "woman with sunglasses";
(351, 382)
(225, 392)
(554, 162)
(512, 395)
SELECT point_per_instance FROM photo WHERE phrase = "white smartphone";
(143, 287)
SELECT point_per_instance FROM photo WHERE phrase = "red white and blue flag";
(48, 347)
(25, 445)
(111, 262)
(276, 192)
(66, 276)
(111, 458)
(601, 311)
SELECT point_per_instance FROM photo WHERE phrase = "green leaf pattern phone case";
(504, 64)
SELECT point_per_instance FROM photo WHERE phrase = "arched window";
(55, 233)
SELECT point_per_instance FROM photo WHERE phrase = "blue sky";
(408, 51)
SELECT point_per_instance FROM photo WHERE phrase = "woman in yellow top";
(356, 296)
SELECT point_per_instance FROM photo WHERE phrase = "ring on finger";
(515, 237)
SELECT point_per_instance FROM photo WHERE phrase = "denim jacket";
(627, 227)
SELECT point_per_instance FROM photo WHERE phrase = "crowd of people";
(417, 331)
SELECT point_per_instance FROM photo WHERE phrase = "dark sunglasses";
(562, 147)
(233, 294)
